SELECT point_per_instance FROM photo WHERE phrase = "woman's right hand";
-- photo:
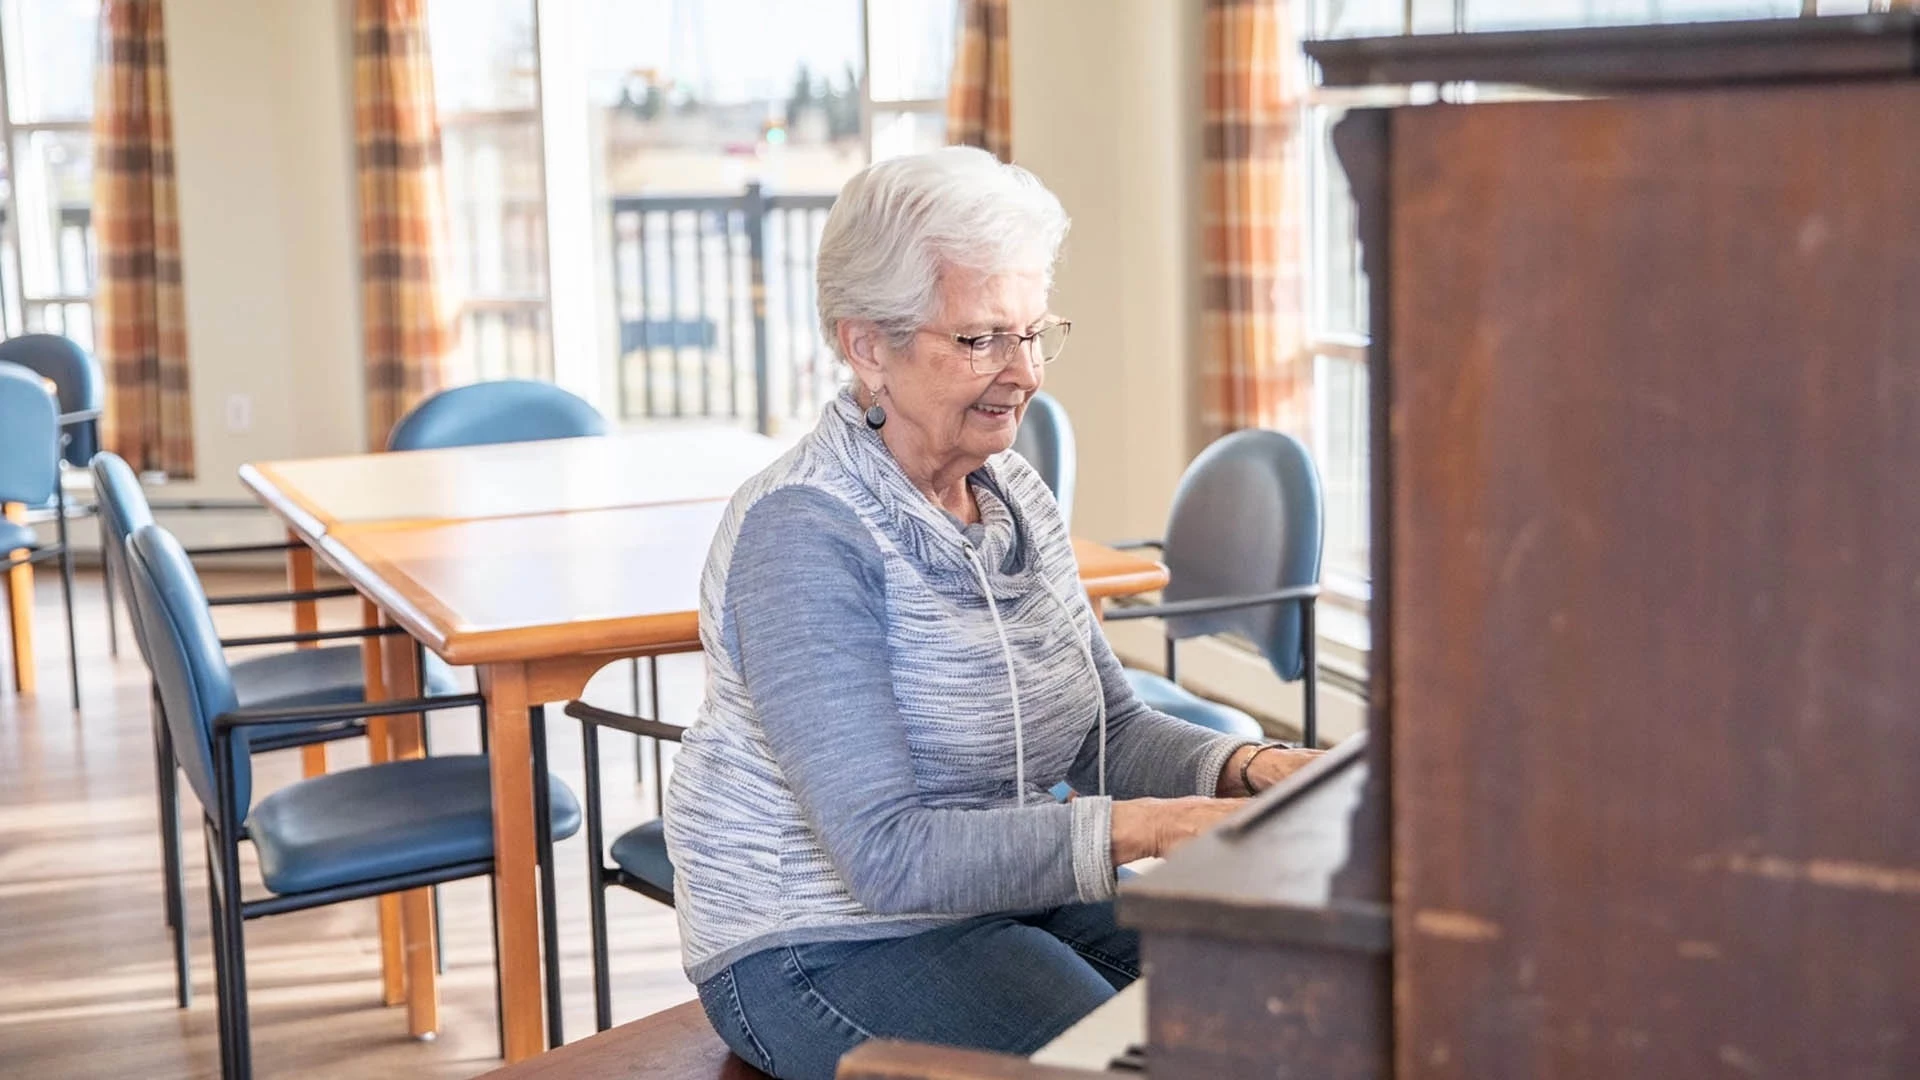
(1144, 828)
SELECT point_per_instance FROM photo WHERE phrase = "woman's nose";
(1024, 371)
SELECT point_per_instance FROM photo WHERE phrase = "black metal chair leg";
(543, 832)
(236, 938)
(1310, 685)
(174, 884)
(167, 817)
(106, 587)
(659, 759)
(439, 947)
(639, 744)
(596, 879)
(66, 599)
(222, 979)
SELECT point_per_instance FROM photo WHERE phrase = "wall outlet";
(239, 413)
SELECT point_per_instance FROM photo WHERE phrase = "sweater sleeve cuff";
(1092, 834)
(1212, 760)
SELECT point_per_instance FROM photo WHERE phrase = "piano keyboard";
(1110, 1039)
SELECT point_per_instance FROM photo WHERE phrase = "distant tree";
(644, 105)
(804, 93)
(842, 105)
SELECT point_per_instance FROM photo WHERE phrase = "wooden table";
(316, 495)
(538, 600)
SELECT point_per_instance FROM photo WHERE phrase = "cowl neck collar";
(926, 533)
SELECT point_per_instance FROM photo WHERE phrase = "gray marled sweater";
(889, 697)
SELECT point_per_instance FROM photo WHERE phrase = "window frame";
(19, 306)
(576, 347)
(540, 304)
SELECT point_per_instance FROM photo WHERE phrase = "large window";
(626, 178)
(46, 190)
(1336, 300)
(486, 86)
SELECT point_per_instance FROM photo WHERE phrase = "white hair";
(899, 224)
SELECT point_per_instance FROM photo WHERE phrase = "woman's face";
(933, 389)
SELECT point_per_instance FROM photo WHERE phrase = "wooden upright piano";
(1639, 794)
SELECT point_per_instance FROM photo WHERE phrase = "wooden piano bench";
(884, 1059)
(674, 1044)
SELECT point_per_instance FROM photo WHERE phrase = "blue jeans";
(1009, 983)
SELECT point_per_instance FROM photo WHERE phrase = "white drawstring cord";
(1099, 691)
(1013, 686)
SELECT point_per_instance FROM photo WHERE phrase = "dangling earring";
(876, 416)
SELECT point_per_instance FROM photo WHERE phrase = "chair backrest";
(123, 510)
(185, 658)
(1247, 518)
(1046, 441)
(29, 437)
(77, 382)
(511, 410)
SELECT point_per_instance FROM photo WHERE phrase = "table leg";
(401, 670)
(393, 974)
(510, 754)
(20, 604)
(306, 618)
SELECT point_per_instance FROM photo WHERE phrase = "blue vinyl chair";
(77, 382)
(525, 411)
(30, 474)
(639, 855)
(510, 410)
(81, 390)
(1046, 441)
(326, 675)
(1243, 548)
(341, 836)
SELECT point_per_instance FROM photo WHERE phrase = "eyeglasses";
(993, 353)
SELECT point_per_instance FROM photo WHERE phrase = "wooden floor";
(86, 986)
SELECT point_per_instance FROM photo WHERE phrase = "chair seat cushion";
(15, 536)
(1171, 698)
(642, 852)
(326, 676)
(375, 822)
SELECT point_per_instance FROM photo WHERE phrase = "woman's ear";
(860, 344)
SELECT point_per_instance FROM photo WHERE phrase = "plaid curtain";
(980, 89)
(1252, 370)
(409, 328)
(140, 310)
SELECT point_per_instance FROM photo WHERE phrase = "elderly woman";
(902, 663)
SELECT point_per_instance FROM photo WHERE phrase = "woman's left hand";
(1269, 768)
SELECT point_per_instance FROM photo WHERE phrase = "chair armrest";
(632, 725)
(312, 635)
(1135, 545)
(1213, 604)
(279, 598)
(321, 714)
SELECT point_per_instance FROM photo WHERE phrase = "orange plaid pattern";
(1253, 372)
(141, 333)
(980, 89)
(409, 328)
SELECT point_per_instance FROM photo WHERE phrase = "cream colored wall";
(1106, 111)
(263, 142)
(1104, 95)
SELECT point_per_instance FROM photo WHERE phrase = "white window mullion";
(579, 282)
